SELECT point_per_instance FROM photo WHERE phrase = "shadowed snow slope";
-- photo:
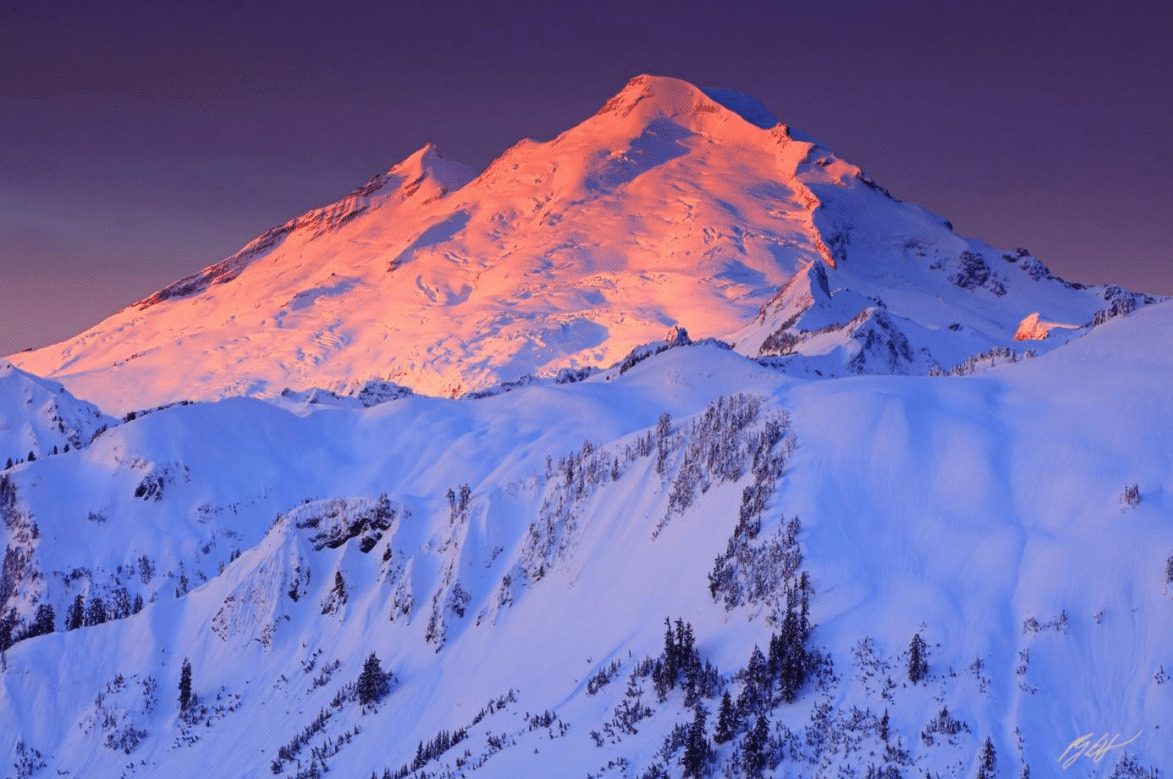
(670, 206)
(515, 580)
(39, 417)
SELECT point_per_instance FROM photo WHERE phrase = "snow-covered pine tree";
(697, 751)
(9, 629)
(727, 721)
(373, 683)
(75, 615)
(918, 662)
(185, 695)
(754, 748)
(755, 693)
(988, 768)
(788, 658)
(663, 431)
(670, 664)
(96, 611)
(120, 605)
(43, 621)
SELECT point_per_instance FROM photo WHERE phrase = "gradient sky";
(142, 141)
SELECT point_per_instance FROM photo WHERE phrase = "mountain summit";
(671, 206)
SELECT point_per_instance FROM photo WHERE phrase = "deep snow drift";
(515, 580)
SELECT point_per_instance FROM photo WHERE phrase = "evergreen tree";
(96, 611)
(373, 682)
(9, 625)
(754, 747)
(696, 748)
(185, 694)
(75, 616)
(885, 727)
(137, 606)
(685, 644)
(727, 721)
(989, 765)
(680, 660)
(756, 691)
(120, 608)
(32, 457)
(663, 431)
(804, 587)
(791, 660)
(918, 662)
(44, 621)
(670, 654)
(8, 464)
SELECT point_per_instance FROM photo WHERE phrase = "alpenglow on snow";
(671, 206)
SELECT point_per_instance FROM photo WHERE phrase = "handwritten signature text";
(1094, 749)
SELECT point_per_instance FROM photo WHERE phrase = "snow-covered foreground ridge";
(514, 580)
(39, 418)
(671, 206)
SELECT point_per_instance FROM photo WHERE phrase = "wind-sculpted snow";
(876, 573)
(672, 206)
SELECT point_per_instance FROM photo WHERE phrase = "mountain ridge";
(511, 561)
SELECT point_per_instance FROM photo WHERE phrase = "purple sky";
(142, 141)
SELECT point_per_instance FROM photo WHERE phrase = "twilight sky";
(142, 141)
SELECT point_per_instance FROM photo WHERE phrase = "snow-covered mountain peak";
(672, 205)
(646, 98)
(428, 165)
(423, 177)
(673, 110)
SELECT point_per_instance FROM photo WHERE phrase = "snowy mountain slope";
(984, 513)
(39, 417)
(670, 206)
